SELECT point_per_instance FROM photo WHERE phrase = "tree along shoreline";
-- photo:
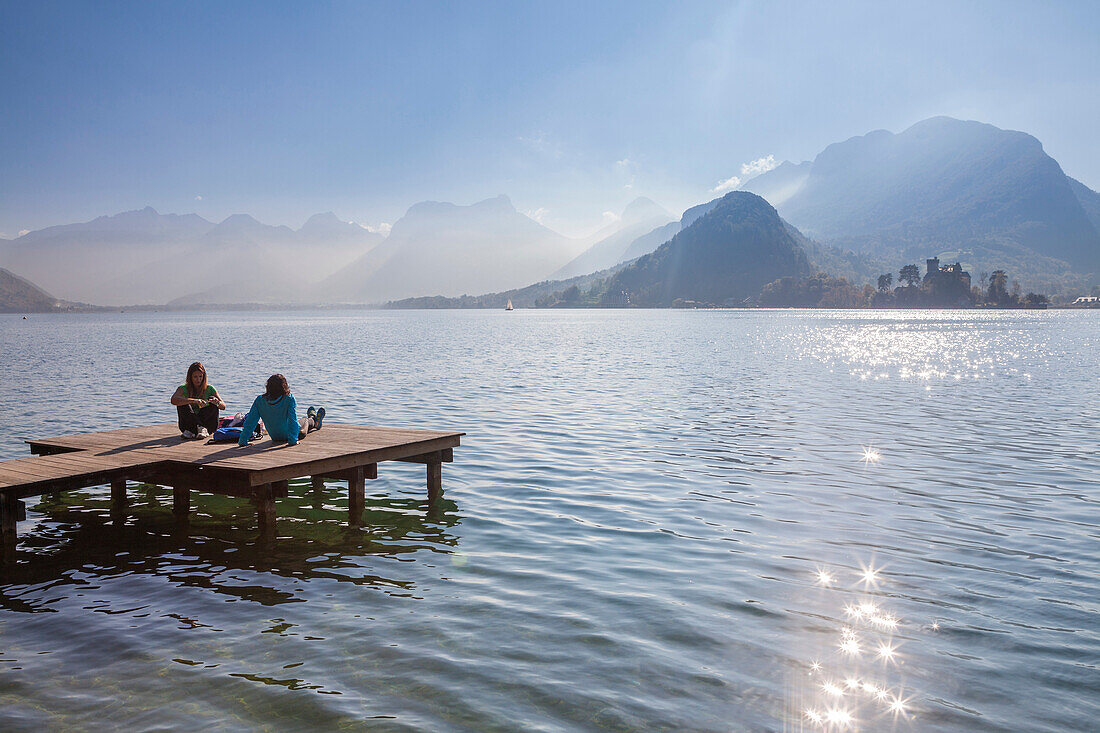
(941, 288)
(948, 286)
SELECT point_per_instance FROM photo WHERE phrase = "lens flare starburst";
(852, 686)
(870, 455)
(869, 575)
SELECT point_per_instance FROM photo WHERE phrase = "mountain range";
(726, 255)
(959, 190)
(439, 248)
(955, 189)
(143, 257)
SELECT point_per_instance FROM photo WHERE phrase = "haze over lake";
(767, 330)
(657, 520)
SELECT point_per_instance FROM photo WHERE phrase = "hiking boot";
(311, 412)
(318, 417)
(203, 434)
(187, 435)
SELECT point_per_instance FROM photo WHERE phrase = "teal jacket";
(280, 418)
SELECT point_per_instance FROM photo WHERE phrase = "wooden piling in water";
(260, 472)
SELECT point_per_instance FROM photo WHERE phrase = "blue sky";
(282, 110)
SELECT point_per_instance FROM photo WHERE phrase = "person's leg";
(304, 425)
(208, 418)
(188, 421)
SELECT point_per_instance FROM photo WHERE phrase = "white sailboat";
(509, 306)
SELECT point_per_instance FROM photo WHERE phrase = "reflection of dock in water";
(83, 533)
(260, 472)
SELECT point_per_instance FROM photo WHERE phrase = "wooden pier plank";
(259, 471)
(24, 471)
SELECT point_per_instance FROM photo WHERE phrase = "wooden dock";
(156, 454)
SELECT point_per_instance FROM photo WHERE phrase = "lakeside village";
(941, 286)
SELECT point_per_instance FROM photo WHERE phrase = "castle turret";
(933, 266)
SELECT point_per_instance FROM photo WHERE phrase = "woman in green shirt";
(197, 404)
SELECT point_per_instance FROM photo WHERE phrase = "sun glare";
(870, 455)
(848, 694)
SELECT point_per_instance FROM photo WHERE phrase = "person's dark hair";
(196, 367)
(276, 387)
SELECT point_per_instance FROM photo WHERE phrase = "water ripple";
(659, 520)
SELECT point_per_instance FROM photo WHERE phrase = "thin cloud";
(610, 217)
(752, 169)
(541, 143)
(758, 166)
(383, 228)
(629, 170)
(727, 185)
(198, 198)
(538, 214)
(24, 231)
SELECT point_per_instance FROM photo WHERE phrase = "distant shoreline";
(261, 307)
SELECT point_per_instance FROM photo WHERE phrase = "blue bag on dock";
(231, 435)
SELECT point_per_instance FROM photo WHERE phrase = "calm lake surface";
(657, 520)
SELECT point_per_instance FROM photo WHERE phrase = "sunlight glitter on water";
(918, 346)
(860, 683)
(656, 521)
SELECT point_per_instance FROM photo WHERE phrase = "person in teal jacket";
(279, 411)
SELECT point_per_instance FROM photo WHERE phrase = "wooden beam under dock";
(259, 472)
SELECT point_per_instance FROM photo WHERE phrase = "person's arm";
(250, 421)
(292, 426)
(217, 401)
(180, 398)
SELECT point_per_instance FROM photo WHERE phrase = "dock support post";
(10, 508)
(435, 478)
(118, 500)
(264, 499)
(318, 490)
(181, 501)
(357, 496)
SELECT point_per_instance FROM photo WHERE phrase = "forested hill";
(18, 295)
(725, 256)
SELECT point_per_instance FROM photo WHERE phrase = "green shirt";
(208, 395)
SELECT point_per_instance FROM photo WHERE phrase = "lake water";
(659, 520)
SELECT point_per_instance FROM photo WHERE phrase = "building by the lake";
(947, 285)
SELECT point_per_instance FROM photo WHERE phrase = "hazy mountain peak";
(431, 209)
(441, 248)
(945, 186)
(242, 224)
(728, 253)
(643, 208)
(497, 203)
(641, 218)
(238, 220)
(146, 214)
(244, 227)
(327, 224)
(326, 219)
(423, 208)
